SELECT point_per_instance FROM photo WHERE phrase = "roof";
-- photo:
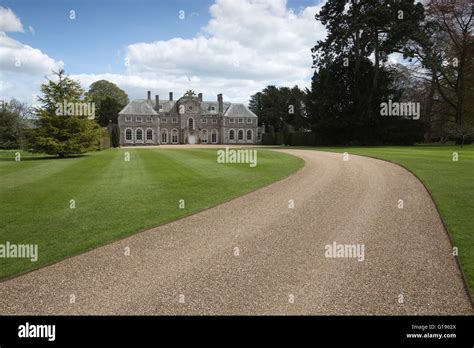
(239, 110)
(138, 107)
(148, 107)
(206, 106)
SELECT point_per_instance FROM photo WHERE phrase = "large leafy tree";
(61, 133)
(103, 89)
(351, 67)
(108, 111)
(277, 106)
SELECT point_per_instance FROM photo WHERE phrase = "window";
(160, 106)
(139, 135)
(128, 134)
(175, 120)
(231, 134)
(232, 120)
(249, 134)
(191, 123)
(148, 118)
(128, 119)
(213, 108)
(164, 136)
(249, 120)
(190, 108)
(164, 120)
(174, 136)
(214, 120)
(139, 119)
(214, 136)
(204, 120)
(241, 120)
(149, 135)
(204, 136)
(241, 134)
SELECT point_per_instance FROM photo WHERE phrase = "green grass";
(450, 183)
(114, 198)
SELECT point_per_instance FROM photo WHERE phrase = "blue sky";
(106, 32)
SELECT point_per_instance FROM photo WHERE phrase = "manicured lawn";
(113, 197)
(451, 184)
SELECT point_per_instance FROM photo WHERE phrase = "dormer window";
(231, 120)
(213, 108)
(148, 118)
(128, 119)
(139, 119)
(241, 120)
(249, 120)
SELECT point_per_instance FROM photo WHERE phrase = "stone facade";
(188, 120)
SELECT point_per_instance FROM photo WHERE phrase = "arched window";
(214, 136)
(249, 134)
(128, 134)
(231, 134)
(241, 134)
(174, 136)
(139, 134)
(191, 123)
(164, 136)
(149, 135)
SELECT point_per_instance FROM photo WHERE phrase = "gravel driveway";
(255, 255)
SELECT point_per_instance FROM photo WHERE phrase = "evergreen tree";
(62, 130)
(115, 135)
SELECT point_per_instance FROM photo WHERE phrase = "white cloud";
(22, 67)
(23, 59)
(10, 22)
(32, 30)
(246, 45)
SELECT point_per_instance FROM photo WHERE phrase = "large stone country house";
(188, 120)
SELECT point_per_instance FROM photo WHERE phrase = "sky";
(233, 47)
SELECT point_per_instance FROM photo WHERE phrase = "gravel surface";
(192, 266)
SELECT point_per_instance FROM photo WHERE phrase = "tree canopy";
(62, 130)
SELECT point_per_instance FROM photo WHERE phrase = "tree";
(100, 90)
(14, 117)
(276, 106)
(108, 111)
(286, 133)
(61, 128)
(115, 135)
(351, 77)
(450, 58)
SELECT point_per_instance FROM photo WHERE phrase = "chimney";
(171, 95)
(200, 97)
(157, 103)
(149, 95)
(221, 103)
